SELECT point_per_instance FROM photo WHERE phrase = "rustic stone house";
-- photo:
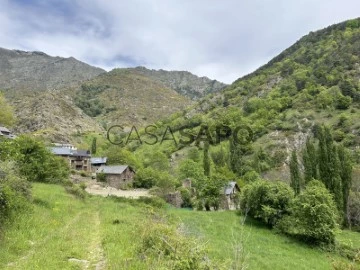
(78, 159)
(230, 197)
(97, 162)
(118, 176)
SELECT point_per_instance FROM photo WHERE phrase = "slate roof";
(81, 153)
(230, 187)
(62, 151)
(115, 169)
(98, 160)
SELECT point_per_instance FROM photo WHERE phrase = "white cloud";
(219, 39)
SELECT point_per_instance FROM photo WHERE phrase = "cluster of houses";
(117, 176)
(122, 176)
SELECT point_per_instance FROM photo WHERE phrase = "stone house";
(97, 162)
(118, 176)
(230, 197)
(78, 159)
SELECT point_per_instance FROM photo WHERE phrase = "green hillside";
(315, 81)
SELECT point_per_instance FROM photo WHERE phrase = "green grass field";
(63, 232)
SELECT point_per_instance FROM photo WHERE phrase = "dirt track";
(108, 191)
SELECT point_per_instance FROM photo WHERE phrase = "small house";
(118, 176)
(97, 162)
(230, 196)
(78, 159)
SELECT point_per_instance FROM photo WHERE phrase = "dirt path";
(96, 252)
(109, 191)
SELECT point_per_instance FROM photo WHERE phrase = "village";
(117, 180)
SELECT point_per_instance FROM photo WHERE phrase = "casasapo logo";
(153, 135)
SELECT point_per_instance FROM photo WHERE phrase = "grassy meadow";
(63, 232)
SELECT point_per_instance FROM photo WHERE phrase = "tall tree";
(295, 173)
(310, 162)
(346, 177)
(335, 179)
(237, 151)
(93, 146)
(206, 159)
(323, 157)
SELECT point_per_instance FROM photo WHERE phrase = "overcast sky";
(220, 39)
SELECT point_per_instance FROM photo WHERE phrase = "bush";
(84, 174)
(313, 215)
(186, 197)
(153, 201)
(77, 191)
(101, 177)
(15, 191)
(266, 201)
(35, 161)
(164, 247)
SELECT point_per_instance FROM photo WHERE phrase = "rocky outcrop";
(183, 82)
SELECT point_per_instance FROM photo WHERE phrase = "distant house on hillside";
(78, 159)
(118, 176)
(97, 162)
(65, 145)
(5, 133)
(230, 199)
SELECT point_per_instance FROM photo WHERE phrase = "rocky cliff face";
(20, 70)
(183, 82)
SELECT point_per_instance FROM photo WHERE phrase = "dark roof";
(115, 169)
(230, 187)
(81, 153)
(98, 160)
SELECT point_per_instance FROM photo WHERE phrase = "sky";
(220, 39)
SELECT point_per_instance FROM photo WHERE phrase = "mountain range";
(57, 97)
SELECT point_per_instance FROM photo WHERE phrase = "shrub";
(266, 201)
(14, 191)
(164, 247)
(101, 177)
(186, 197)
(153, 201)
(313, 215)
(35, 161)
(77, 191)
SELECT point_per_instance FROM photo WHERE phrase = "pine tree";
(335, 179)
(346, 176)
(295, 173)
(322, 157)
(93, 146)
(310, 162)
(206, 160)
